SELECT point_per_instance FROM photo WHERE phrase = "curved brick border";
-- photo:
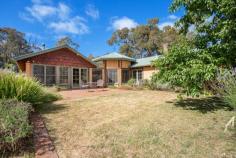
(44, 147)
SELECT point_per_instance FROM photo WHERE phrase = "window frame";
(116, 79)
(87, 75)
(68, 78)
(44, 77)
(122, 78)
(100, 76)
(136, 77)
(55, 75)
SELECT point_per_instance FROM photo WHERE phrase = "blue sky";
(88, 22)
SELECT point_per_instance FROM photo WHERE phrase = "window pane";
(125, 76)
(140, 75)
(134, 74)
(64, 75)
(38, 72)
(112, 76)
(76, 75)
(84, 75)
(50, 75)
(97, 75)
(137, 75)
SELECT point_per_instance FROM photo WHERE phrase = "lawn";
(140, 124)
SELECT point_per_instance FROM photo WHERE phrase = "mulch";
(44, 147)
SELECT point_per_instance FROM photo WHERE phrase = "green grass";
(140, 124)
(14, 124)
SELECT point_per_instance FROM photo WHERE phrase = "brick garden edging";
(43, 144)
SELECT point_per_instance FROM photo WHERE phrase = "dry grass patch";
(138, 124)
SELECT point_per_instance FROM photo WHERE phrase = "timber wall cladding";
(64, 57)
(118, 64)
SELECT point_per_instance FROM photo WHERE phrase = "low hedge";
(14, 124)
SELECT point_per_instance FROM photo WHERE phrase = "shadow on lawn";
(50, 108)
(203, 105)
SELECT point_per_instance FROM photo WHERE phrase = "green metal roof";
(50, 50)
(147, 61)
(114, 56)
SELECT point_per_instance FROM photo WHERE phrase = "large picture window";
(84, 76)
(64, 77)
(38, 72)
(50, 75)
(97, 75)
(112, 76)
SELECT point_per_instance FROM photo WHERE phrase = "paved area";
(44, 147)
(79, 93)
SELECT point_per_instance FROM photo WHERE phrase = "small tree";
(186, 67)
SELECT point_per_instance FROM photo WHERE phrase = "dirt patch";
(81, 93)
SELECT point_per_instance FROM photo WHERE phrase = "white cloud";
(56, 17)
(92, 11)
(39, 11)
(63, 11)
(173, 17)
(75, 25)
(26, 17)
(168, 23)
(124, 22)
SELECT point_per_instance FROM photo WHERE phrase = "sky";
(88, 22)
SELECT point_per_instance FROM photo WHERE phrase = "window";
(137, 75)
(112, 76)
(76, 77)
(84, 75)
(97, 75)
(50, 75)
(38, 72)
(140, 75)
(125, 76)
(134, 74)
(64, 78)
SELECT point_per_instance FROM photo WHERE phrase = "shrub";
(23, 88)
(131, 82)
(14, 124)
(226, 86)
(156, 84)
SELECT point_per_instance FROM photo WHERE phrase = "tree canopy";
(192, 64)
(12, 44)
(214, 22)
(144, 40)
(67, 41)
(183, 66)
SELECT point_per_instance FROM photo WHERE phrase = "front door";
(76, 78)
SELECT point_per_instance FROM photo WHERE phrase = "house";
(65, 67)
